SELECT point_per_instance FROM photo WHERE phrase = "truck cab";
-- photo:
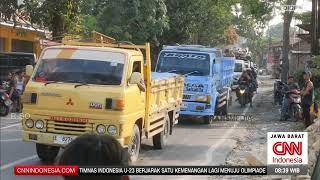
(101, 88)
(208, 77)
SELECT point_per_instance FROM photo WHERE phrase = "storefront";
(19, 39)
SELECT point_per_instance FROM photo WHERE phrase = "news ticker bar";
(22, 170)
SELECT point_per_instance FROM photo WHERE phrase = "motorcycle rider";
(285, 101)
(9, 86)
(245, 77)
(254, 75)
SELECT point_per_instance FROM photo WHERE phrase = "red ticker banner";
(154, 170)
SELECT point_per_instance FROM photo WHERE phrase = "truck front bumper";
(49, 138)
(196, 109)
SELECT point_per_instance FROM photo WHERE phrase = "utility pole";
(287, 17)
(315, 33)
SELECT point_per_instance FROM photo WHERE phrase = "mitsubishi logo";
(69, 102)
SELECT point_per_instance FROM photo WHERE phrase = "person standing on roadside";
(307, 97)
(20, 82)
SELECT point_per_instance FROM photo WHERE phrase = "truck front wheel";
(160, 140)
(135, 142)
(47, 153)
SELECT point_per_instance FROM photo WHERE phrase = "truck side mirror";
(136, 78)
(29, 70)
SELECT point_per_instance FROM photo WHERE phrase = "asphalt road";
(192, 143)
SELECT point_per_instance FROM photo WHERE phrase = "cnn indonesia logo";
(287, 148)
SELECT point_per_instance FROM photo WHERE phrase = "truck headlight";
(203, 98)
(39, 124)
(101, 129)
(29, 123)
(112, 130)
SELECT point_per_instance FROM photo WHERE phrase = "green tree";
(251, 19)
(60, 16)
(305, 17)
(134, 20)
(198, 22)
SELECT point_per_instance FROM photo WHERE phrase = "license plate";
(61, 139)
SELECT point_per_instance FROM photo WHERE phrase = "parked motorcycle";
(243, 94)
(294, 111)
(5, 103)
(277, 92)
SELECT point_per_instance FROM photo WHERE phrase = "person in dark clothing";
(307, 98)
(94, 150)
(9, 85)
(285, 103)
(247, 79)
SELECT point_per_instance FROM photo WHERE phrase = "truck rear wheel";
(207, 119)
(224, 108)
(135, 142)
(160, 140)
(47, 153)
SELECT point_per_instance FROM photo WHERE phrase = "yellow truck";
(79, 88)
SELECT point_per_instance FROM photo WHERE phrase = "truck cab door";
(136, 96)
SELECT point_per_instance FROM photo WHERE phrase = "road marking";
(6, 166)
(220, 141)
(11, 140)
(10, 130)
(12, 125)
(212, 148)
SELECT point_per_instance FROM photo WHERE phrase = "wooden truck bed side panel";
(166, 95)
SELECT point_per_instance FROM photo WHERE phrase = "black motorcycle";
(5, 103)
(243, 94)
(278, 92)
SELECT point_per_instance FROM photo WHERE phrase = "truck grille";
(185, 96)
(71, 128)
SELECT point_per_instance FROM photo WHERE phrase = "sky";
(302, 6)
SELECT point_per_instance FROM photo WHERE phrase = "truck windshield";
(238, 67)
(80, 71)
(184, 63)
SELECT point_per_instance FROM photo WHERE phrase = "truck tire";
(135, 144)
(242, 101)
(160, 140)
(230, 100)
(47, 153)
(224, 109)
(207, 119)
